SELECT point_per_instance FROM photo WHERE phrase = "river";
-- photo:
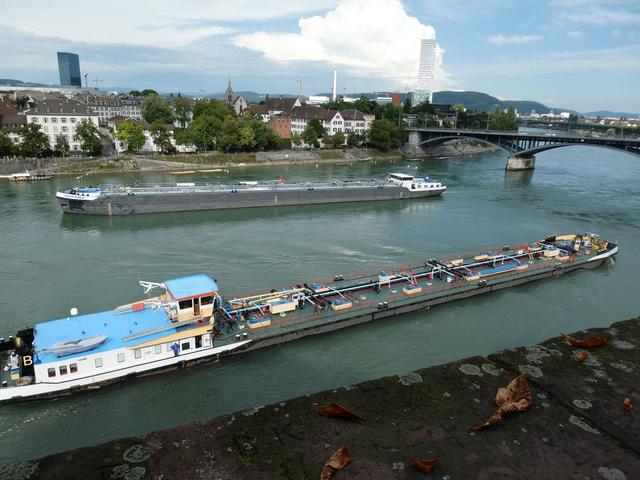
(52, 262)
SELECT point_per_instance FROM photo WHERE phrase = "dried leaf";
(586, 343)
(424, 465)
(338, 411)
(627, 404)
(582, 356)
(515, 398)
(337, 461)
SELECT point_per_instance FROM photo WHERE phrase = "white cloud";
(599, 16)
(502, 40)
(158, 23)
(575, 34)
(621, 59)
(364, 37)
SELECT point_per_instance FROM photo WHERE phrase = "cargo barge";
(189, 321)
(186, 196)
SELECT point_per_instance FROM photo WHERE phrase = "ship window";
(185, 346)
(158, 349)
(73, 368)
(167, 347)
(185, 304)
(137, 353)
(98, 362)
(63, 370)
(206, 300)
(51, 372)
(120, 357)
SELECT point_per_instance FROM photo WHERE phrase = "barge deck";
(337, 302)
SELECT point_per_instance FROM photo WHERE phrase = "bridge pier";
(414, 142)
(521, 163)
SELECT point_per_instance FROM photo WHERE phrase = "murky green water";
(51, 263)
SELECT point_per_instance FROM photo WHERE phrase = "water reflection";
(518, 178)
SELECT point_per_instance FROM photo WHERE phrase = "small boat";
(183, 172)
(27, 176)
(77, 346)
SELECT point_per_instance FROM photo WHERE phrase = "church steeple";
(228, 95)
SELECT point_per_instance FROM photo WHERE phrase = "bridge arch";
(509, 146)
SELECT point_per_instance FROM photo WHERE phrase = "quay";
(576, 428)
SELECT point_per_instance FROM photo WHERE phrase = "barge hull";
(123, 204)
(419, 304)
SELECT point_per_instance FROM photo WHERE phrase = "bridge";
(521, 146)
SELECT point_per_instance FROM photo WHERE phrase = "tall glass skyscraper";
(426, 72)
(69, 68)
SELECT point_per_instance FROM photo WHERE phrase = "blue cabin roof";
(192, 286)
(114, 326)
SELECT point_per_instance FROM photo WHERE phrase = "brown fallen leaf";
(582, 356)
(337, 461)
(515, 398)
(586, 343)
(424, 465)
(627, 404)
(338, 411)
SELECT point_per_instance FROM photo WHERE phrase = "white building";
(108, 106)
(318, 99)
(149, 145)
(60, 117)
(333, 121)
(426, 71)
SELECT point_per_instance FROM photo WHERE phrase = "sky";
(578, 54)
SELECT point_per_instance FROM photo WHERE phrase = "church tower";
(228, 95)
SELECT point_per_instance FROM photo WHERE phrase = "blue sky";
(580, 54)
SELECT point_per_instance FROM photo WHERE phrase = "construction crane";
(97, 82)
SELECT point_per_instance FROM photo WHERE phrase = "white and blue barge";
(82, 352)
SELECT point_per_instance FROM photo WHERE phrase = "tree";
(135, 93)
(149, 91)
(6, 147)
(21, 102)
(265, 138)
(316, 124)
(34, 142)
(214, 108)
(132, 134)
(62, 146)
(338, 139)
(354, 140)
(161, 137)
(203, 132)
(182, 107)
(88, 136)
(310, 136)
(182, 136)
(156, 109)
(384, 135)
(296, 139)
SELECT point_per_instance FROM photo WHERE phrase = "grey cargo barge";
(121, 200)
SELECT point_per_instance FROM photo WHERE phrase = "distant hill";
(9, 82)
(609, 113)
(483, 102)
